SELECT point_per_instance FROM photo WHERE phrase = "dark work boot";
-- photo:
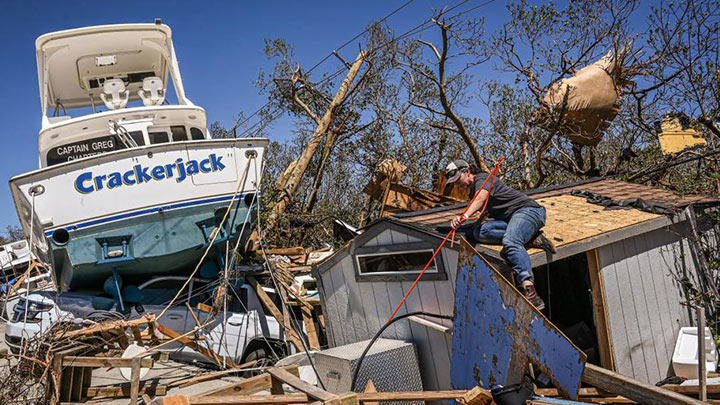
(541, 242)
(532, 296)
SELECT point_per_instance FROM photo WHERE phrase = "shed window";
(396, 262)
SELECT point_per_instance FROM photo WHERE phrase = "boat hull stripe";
(144, 212)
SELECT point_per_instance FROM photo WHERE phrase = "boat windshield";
(108, 143)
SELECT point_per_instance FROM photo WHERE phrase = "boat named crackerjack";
(129, 180)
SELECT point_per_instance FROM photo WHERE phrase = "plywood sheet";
(572, 219)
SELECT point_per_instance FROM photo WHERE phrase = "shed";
(614, 285)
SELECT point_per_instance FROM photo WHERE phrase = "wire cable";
(286, 307)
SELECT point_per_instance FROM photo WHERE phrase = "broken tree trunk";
(287, 185)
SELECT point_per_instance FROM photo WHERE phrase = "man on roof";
(516, 220)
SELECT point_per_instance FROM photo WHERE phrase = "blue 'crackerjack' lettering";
(86, 183)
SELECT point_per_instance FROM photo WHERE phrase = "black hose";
(377, 335)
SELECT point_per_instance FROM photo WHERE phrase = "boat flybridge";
(129, 183)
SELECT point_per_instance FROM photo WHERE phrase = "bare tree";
(433, 89)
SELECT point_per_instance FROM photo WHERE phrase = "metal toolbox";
(391, 364)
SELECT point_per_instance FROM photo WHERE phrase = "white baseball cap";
(455, 169)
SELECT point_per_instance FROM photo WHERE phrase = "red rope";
(493, 174)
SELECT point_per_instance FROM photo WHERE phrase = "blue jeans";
(513, 234)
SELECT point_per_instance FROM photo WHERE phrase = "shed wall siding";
(640, 276)
(357, 310)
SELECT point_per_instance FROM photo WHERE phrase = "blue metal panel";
(497, 332)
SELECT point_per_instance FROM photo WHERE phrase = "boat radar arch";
(107, 65)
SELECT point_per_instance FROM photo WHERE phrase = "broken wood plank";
(631, 388)
(186, 382)
(192, 344)
(146, 399)
(204, 307)
(477, 396)
(137, 335)
(448, 395)
(106, 327)
(134, 381)
(584, 392)
(122, 337)
(298, 384)
(270, 305)
(691, 389)
(232, 400)
(313, 340)
(249, 385)
(350, 398)
(78, 361)
(123, 390)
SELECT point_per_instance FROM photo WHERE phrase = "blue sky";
(219, 46)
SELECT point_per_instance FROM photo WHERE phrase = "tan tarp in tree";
(592, 100)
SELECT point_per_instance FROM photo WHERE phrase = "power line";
(412, 31)
(348, 42)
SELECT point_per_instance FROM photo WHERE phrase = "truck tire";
(263, 360)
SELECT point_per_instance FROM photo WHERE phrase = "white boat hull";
(142, 210)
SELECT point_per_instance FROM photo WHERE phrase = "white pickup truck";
(245, 333)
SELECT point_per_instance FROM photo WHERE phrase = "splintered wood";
(244, 392)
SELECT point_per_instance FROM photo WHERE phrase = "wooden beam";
(107, 326)
(633, 389)
(411, 396)
(313, 340)
(232, 400)
(692, 389)
(268, 302)
(134, 381)
(137, 335)
(186, 382)
(599, 298)
(584, 392)
(77, 361)
(249, 385)
(123, 390)
(344, 399)
(295, 382)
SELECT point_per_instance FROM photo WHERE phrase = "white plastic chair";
(154, 86)
(119, 95)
